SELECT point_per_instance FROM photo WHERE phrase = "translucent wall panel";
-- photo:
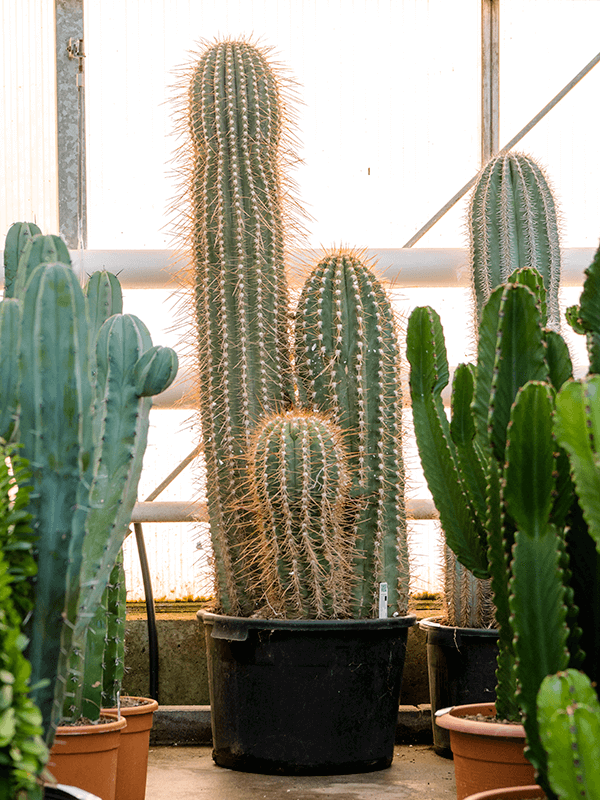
(543, 45)
(389, 125)
(28, 166)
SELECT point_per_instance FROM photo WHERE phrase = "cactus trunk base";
(312, 697)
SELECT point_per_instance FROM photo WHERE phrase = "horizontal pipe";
(188, 511)
(405, 267)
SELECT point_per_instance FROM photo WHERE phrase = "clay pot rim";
(115, 724)
(149, 706)
(453, 720)
(532, 791)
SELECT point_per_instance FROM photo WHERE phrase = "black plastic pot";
(462, 669)
(312, 697)
(61, 792)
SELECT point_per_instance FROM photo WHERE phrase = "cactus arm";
(10, 334)
(537, 599)
(577, 428)
(55, 394)
(114, 647)
(104, 298)
(18, 235)
(462, 431)
(39, 250)
(569, 720)
(520, 357)
(299, 484)
(88, 692)
(427, 375)
(348, 365)
(122, 431)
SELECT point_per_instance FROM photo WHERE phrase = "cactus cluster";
(345, 355)
(79, 377)
(502, 485)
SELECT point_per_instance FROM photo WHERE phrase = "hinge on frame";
(75, 48)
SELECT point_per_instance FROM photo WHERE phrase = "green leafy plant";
(78, 401)
(23, 753)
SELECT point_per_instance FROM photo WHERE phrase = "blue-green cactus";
(81, 412)
(17, 237)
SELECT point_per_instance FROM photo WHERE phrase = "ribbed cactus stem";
(469, 600)
(235, 119)
(513, 224)
(10, 335)
(17, 237)
(569, 720)
(299, 485)
(348, 364)
(113, 664)
(39, 249)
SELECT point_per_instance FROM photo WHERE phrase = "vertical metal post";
(490, 78)
(70, 119)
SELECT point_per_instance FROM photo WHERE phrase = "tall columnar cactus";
(81, 413)
(512, 225)
(502, 485)
(299, 485)
(569, 719)
(348, 365)
(39, 249)
(236, 123)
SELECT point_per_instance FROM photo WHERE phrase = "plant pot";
(132, 767)
(461, 664)
(511, 793)
(487, 755)
(86, 756)
(313, 697)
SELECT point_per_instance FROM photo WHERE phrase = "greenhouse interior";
(298, 402)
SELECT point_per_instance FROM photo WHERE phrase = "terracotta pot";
(511, 793)
(86, 756)
(487, 755)
(133, 751)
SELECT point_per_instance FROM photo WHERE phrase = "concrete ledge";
(190, 725)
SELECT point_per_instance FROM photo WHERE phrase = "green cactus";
(569, 720)
(472, 462)
(348, 365)
(585, 318)
(82, 416)
(468, 600)
(114, 650)
(40, 249)
(17, 237)
(236, 123)
(299, 484)
(513, 224)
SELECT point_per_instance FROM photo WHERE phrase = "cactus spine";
(82, 416)
(513, 224)
(236, 237)
(348, 365)
(299, 482)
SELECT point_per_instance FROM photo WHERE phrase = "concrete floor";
(186, 773)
